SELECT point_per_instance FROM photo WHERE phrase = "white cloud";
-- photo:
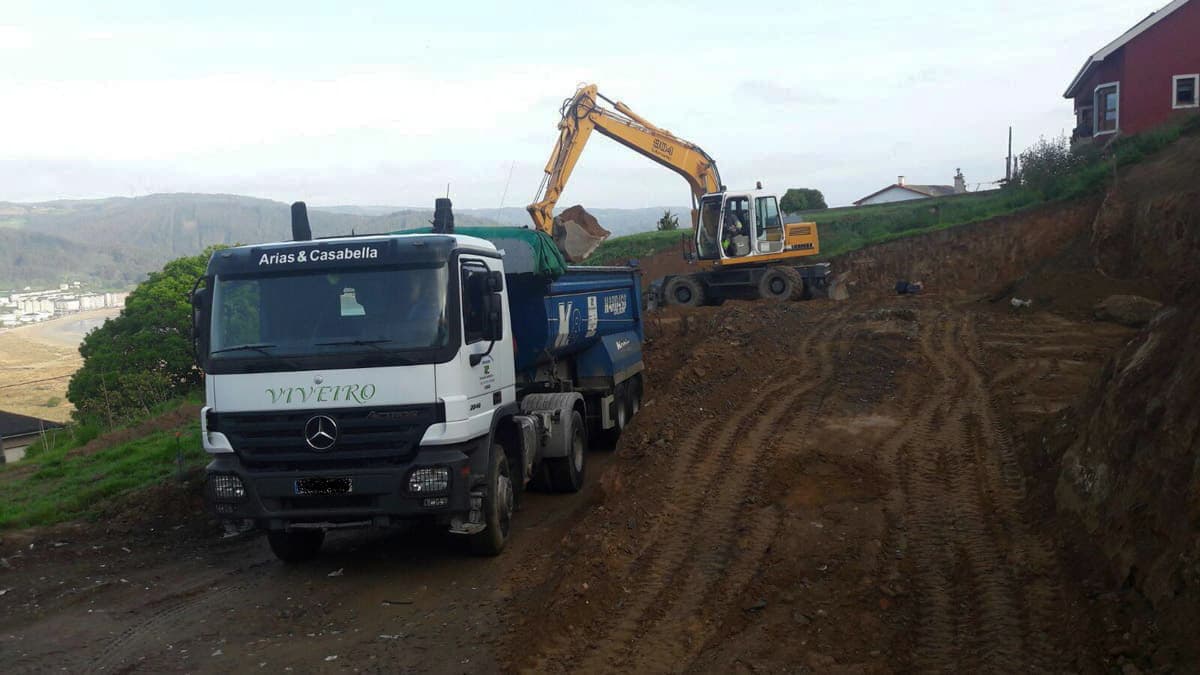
(138, 119)
(14, 37)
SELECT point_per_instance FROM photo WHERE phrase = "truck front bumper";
(278, 499)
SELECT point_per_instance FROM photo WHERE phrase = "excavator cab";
(737, 227)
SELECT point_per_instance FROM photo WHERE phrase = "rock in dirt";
(1127, 310)
(758, 606)
(578, 233)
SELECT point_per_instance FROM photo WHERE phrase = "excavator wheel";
(800, 290)
(686, 291)
(778, 285)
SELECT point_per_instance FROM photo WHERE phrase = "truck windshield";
(313, 314)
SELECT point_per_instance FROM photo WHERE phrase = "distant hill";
(117, 241)
(618, 221)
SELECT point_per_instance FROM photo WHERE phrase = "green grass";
(847, 229)
(52, 486)
(619, 250)
(850, 228)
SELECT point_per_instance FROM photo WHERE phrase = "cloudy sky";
(387, 102)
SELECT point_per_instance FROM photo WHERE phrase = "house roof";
(1141, 27)
(12, 424)
(923, 190)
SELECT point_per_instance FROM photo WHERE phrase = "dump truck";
(369, 381)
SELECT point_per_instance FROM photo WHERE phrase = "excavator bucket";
(577, 233)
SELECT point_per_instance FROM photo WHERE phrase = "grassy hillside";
(30, 258)
(850, 228)
(80, 471)
(619, 250)
(1074, 175)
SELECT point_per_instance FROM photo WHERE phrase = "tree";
(668, 223)
(142, 357)
(802, 199)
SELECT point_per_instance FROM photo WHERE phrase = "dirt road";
(832, 487)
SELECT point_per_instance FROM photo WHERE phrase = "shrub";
(142, 357)
(668, 223)
(796, 200)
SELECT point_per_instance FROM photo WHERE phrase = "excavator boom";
(582, 114)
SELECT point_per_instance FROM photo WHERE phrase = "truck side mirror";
(201, 320)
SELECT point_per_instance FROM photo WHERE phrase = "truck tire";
(685, 291)
(297, 545)
(777, 285)
(566, 473)
(497, 507)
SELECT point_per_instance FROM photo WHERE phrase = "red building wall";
(1145, 67)
(1111, 69)
(1171, 47)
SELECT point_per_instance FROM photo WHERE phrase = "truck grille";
(364, 437)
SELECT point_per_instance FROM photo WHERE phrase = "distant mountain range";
(116, 241)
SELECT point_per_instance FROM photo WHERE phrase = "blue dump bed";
(590, 315)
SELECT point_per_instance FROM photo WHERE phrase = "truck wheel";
(686, 291)
(777, 285)
(296, 546)
(497, 507)
(566, 473)
(800, 290)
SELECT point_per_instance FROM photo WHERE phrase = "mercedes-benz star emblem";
(320, 432)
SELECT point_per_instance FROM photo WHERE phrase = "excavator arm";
(581, 114)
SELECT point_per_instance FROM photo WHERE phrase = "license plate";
(324, 486)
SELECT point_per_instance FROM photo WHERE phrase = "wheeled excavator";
(744, 248)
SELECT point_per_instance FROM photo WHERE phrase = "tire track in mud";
(145, 632)
(959, 508)
(723, 562)
(1034, 561)
(709, 480)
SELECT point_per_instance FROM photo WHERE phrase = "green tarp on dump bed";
(526, 251)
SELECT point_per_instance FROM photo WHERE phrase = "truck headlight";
(429, 480)
(227, 486)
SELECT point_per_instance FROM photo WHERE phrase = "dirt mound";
(982, 258)
(820, 484)
(1149, 226)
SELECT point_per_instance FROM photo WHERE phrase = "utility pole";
(1008, 159)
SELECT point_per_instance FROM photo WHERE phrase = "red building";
(1143, 78)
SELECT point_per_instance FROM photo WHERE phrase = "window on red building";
(1183, 93)
(1107, 108)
